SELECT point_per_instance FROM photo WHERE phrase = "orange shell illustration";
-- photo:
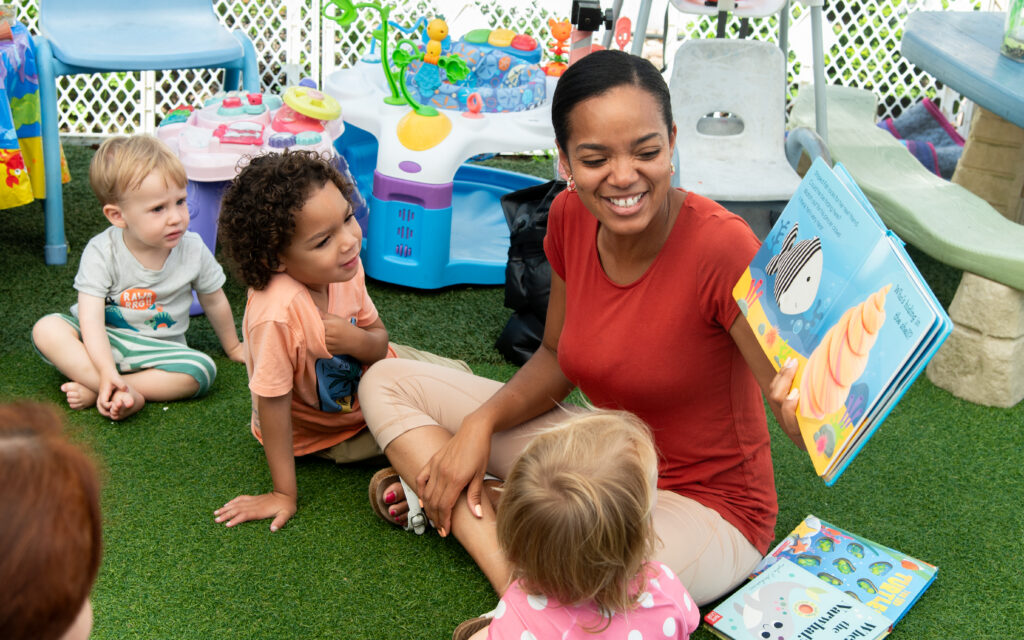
(841, 357)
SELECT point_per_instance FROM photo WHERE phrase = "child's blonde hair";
(575, 514)
(123, 162)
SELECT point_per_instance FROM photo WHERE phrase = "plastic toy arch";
(345, 13)
(406, 51)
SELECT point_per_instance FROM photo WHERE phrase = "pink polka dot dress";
(664, 610)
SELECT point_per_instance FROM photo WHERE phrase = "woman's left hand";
(460, 464)
(776, 386)
(783, 398)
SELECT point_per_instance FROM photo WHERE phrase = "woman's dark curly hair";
(257, 214)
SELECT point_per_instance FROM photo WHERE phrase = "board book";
(834, 289)
(784, 602)
(884, 579)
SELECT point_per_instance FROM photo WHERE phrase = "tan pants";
(363, 446)
(710, 555)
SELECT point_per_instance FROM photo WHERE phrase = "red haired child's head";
(49, 507)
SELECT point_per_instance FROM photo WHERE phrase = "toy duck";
(437, 31)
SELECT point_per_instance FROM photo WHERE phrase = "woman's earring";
(570, 184)
(672, 168)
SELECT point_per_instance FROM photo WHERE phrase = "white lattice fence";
(865, 50)
(285, 35)
(293, 41)
(861, 43)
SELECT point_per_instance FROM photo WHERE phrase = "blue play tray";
(410, 245)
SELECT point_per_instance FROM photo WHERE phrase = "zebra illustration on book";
(797, 270)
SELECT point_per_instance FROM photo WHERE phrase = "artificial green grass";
(940, 480)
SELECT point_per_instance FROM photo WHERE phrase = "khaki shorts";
(358, 448)
(708, 553)
(362, 446)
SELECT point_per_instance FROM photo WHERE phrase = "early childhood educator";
(575, 522)
(51, 538)
(310, 327)
(124, 342)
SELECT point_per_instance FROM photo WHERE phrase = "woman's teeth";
(626, 202)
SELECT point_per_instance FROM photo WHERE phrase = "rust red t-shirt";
(660, 348)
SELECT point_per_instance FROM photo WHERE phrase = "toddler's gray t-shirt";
(153, 302)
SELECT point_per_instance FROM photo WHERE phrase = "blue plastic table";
(961, 48)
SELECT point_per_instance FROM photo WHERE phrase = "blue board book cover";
(887, 580)
(787, 603)
(834, 289)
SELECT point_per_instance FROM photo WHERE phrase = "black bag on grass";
(527, 274)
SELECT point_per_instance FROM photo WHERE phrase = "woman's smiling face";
(620, 156)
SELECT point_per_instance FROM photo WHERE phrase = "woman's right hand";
(462, 461)
(459, 464)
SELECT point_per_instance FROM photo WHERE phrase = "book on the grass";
(834, 289)
(884, 579)
(784, 602)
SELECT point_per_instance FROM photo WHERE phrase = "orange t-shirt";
(286, 350)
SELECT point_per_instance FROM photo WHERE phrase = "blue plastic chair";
(100, 36)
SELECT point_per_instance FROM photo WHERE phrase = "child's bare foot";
(124, 404)
(79, 396)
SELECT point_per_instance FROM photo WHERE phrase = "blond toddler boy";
(124, 342)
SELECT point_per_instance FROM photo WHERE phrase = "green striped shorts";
(133, 352)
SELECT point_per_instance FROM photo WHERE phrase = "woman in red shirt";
(641, 318)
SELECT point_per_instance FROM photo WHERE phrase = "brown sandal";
(416, 518)
(465, 630)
